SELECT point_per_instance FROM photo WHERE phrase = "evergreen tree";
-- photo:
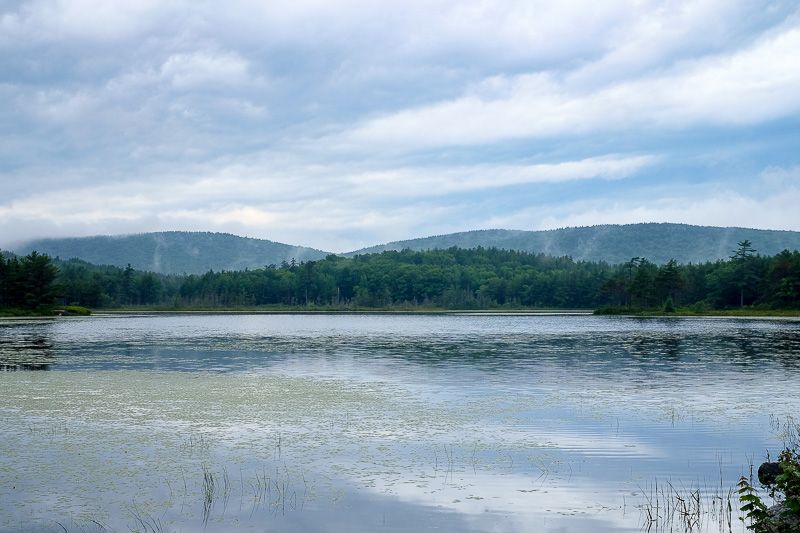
(27, 283)
(38, 275)
(744, 267)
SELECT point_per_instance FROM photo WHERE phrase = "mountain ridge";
(174, 252)
(177, 252)
(613, 243)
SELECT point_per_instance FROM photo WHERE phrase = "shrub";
(786, 491)
(77, 310)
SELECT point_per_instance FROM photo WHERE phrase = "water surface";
(382, 422)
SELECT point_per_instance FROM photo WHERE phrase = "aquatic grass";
(276, 493)
(88, 525)
(196, 443)
(261, 487)
(787, 429)
(226, 488)
(143, 521)
(209, 491)
(667, 508)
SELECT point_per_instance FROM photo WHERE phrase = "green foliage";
(77, 310)
(107, 286)
(756, 511)
(478, 278)
(27, 283)
(785, 490)
(787, 482)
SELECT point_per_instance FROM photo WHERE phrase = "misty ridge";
(179, 252)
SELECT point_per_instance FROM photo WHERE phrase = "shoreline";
(119, 312)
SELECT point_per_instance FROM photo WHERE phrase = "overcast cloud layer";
(343, 124)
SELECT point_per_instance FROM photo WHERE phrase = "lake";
(387, 422)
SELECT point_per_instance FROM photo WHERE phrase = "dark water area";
(384, 422)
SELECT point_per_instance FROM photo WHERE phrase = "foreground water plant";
(670, 508)
(785, 490)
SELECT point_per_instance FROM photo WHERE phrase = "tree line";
(454, 278)
(27, 282)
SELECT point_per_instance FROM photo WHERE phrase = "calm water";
(370, 422)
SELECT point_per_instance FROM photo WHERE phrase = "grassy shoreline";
(505, 310)
(336, 310)
(689, 312)
(321, 310)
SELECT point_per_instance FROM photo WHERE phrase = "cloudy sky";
(348, 123)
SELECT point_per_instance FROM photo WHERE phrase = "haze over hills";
(176, 252)
(614, 243)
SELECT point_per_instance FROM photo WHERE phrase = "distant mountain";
(613, 243)
(174, 252)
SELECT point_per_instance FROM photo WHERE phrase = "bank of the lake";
(311, 309)
(69, 310)
(746, 312)
(749, 312)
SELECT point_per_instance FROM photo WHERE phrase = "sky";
(344, 124)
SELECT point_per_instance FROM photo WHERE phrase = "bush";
(618, 310)
(788, 482)
(77, 310)
(786, 491)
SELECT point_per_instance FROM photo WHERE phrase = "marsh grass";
(89, 525)
(276, 493)
(677, 509)
(144, 522)
(209, 492)
(668, 508)
(786, 429)
(196, 444)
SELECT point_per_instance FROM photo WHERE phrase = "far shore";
(302, 310)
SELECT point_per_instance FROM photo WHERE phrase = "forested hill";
(614, 244)
(195, 253)
(174, 252)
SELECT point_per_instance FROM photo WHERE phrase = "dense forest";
(27, 282)
(451, 279)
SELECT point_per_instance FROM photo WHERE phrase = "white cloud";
(341, 210)
(202, 68)
(781, 177)
(431, 181)
(345, 124)
(83, 20)
(777, 210)
(254, 183)
(747, 87)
